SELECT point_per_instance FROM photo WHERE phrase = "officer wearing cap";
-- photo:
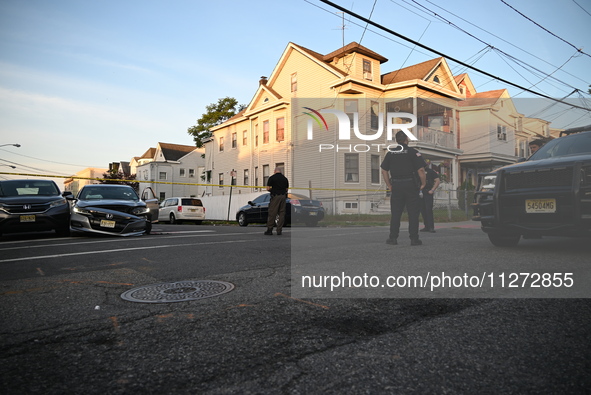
(400, 167)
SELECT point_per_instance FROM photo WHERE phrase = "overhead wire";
(443, 54)
(543, 28)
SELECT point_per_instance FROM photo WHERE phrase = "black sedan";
(299, 209)
(112, 210)
(33, 206)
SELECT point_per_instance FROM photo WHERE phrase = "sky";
(86, 83)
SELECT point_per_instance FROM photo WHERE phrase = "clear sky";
(85, 83)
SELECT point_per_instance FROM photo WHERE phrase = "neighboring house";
(288, 124)
(171, 170)
(136, 161)
(74, 184)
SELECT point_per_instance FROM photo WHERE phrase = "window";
(351, 205)
(351, 108)
(265, 174)
(367, 69)
(256, 135)
(221, 144)
(162, 175)
(256, 177)
(145, 174)
(162, 196)
(191, 173)
(280, 129)
(501, 133)
(436, 80)
(266, 132)
(220, 180)
(246, 178)
(294, 82)
(234, 140)
(375, 169)
(182, 172)
(351, 167)
(244, 137)
(375, 110)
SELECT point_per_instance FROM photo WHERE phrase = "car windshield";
(576, 144)
(102, 193)
(28, 188)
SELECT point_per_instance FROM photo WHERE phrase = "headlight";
(82, 211)
(57, 203)
(140, 210)
(488, 183)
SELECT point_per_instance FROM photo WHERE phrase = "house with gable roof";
(171, 170)
(289, 123)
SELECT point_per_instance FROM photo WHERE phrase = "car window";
(262, 199)
(191, 202)
(28, 188)
(97, 193)
(576, 144)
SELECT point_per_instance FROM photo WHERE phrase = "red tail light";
(295, 202)
(179, 209)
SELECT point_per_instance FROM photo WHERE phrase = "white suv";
(177, 209)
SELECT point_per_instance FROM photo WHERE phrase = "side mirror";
(250, 203)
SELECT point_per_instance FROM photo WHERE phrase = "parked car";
(33, 206)
(547, 195)
(179, 209)
(113, 210)
(299, 209)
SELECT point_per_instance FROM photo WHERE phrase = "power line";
(543, 28)
(581, 7)
(444, 55)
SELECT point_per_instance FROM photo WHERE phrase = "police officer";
(399, 167)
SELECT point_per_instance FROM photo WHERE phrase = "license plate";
(540, 206)
(193, 210)
(108, 224)
(27, 218)
(312, 213)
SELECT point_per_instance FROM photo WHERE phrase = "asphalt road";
(65, 328)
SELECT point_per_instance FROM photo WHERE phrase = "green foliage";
(216, 114)
(112, 177)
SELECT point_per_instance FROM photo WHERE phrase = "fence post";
(449, 204)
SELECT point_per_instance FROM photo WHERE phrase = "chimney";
(263, 80)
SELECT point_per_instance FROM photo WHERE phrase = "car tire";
(172, 219)
(504, 240)
(242, 221)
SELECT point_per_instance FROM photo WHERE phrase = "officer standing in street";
(400, 167)
(278, 186)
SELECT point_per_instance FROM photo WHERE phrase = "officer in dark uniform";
(398, 169)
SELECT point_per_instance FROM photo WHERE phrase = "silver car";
(113, 210)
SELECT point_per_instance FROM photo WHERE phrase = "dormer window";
(436, 80)
(367, 70)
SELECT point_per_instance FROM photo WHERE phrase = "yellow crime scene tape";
(187, 183)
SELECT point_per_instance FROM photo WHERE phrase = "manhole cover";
(180, 291)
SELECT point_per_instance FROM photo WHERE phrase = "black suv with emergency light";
(547, 195)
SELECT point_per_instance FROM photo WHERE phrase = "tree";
(117, 177)
(216, 114)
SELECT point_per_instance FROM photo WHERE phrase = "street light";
(14, 145)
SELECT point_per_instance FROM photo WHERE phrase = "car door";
(151, 200)
(264, 207)
(254, 213)
(164, 210)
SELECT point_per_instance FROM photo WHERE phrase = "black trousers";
(405, 194)
(427, 209)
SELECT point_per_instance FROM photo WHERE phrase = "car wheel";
(242, 221)
(148, 227)
(173, 219)
(504, 240)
